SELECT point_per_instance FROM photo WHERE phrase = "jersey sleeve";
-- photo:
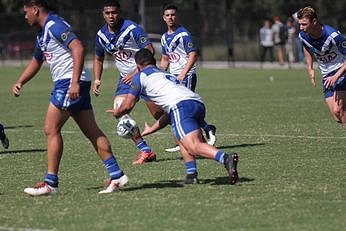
(140, 37)
(189, 45)
(99, 50)
(135, 88)
(38, 54)
(63, 33)
(341, 43)
(163, 49)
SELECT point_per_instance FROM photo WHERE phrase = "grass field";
(292, 162)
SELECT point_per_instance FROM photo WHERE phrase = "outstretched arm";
(29, 72)
(160, 123)
(309, 66)
(125, 107)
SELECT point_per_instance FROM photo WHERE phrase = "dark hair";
(169, 6)
(144, 57)
(39, 3)
(113, 3)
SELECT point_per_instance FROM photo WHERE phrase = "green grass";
(292, 161)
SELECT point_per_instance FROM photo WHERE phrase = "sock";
(142, 146)
(52, 180)
(219, 156)
(113, 168)
(191, 167)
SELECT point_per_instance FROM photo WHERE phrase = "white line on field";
(227, 134)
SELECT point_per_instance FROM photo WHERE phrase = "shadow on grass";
(22, 151)
(180, 184)
(240, 145)
(18, 126)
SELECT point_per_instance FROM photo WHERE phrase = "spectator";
(266, 41)
(290, 44)
(279, 39)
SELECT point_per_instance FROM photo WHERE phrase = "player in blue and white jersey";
(122, 38)
(184, 109)
(179, 55)
(328, 46)
(58, 45)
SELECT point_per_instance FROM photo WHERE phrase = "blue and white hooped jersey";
(329, 50)
(52, 45)
(157, 86)
(177, 47)
(122, 45)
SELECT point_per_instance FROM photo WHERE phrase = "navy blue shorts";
(340, 85)
(61, 99)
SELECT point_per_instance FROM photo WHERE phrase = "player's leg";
(55, 119)
(86, 122)
(146, 154)
(4, 140)
(186, 120)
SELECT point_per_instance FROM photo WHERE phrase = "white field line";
(222, 134)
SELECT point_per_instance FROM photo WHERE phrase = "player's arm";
(77, 52)
(97, 70)
(309, 65)
(126, 106)
(29, 72)
(162, 122)
(164, 63)
(192, 58)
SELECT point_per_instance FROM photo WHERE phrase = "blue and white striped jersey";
(52, 45)
(122, 45)
(157, 86)
(329, 50)
(177, 47)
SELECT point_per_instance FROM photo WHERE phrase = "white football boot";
(115, 184)
(42, 189)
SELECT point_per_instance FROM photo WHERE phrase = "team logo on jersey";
(173, 57)
(120, 46)
(64, 36)
(189, 44)
(143, 40)
(327, 57)
(343, 44)
(122, 55)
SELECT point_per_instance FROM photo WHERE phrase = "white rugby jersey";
(122, 45)
(156, 85)
(329, 50)
(177, 47)
(52, 45)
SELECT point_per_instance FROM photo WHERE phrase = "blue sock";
(219, 156)
(52, 180)
(142, 146)
(113, 168)
(191, 167)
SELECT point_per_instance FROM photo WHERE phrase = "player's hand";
(312, 77)
(127, 79)
(74, 90)
(16, 89)
(96, 87)
(146, 129)
(330, 81)
(180, 78)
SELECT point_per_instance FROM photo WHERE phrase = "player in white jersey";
(122, 38)
(59, 46)
(179, 55)
(184, 109)
(328, 46)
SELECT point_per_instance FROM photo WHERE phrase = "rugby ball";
(126, 127)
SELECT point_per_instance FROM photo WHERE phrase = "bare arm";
(29, 72)
(98, 70)
(164, 63)
(330, 81)
(190, 62)
(160, 123)
(309, 66)
(77, 52)
(126, 106)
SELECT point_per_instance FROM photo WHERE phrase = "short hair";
(307, 12)
(144, 57)
(169, 6)
(39, 3)
(113, 3)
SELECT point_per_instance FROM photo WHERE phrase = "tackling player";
(328, 46)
